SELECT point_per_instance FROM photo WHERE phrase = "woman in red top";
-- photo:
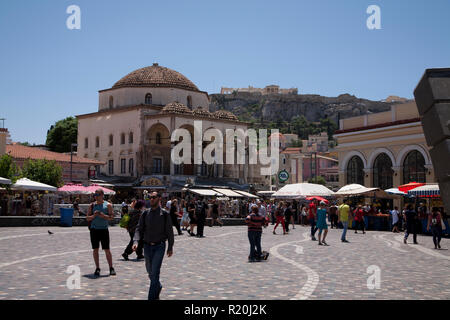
(359, 219)
(279, 215)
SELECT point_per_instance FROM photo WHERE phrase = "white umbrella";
(396, 192)
(353, 190)
(427, 191)
(27, 184)
(4, 181)
(302, 190)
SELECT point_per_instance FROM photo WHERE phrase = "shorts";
(100, 236)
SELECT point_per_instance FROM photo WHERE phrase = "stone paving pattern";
(33, 265)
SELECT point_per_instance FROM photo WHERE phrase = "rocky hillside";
(255, 107)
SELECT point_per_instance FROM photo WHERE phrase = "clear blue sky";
(48, 72)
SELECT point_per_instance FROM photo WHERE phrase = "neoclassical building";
(384, 149)
(132, 128)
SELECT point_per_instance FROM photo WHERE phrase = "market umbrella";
(4, 181)
(74, 189)
(302, 190)
(410, 186)
(353, 190)
(27, 184)
(317, 198)
(426, 191)
(94, 187)
(396, 192)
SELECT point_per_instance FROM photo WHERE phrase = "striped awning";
(426, 191)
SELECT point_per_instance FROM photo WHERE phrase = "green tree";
(318, 180)
(62, 134)
(297, 143)
(8, 168)
(44, 171)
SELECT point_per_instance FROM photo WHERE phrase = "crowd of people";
(150, 225)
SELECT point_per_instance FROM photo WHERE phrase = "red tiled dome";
(155, 76)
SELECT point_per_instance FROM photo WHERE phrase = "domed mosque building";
(131, 131)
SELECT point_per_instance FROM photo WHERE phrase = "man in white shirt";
(394, 214)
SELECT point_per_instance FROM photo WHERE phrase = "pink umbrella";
(80, 189)
(106, 191)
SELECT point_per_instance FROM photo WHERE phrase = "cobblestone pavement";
(33, 265)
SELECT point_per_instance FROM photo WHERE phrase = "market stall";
(432, 195)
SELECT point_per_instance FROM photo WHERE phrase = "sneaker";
(313, 238)
(251, 260)
(404, 241)
(125, 256)
(346, 241)
(320, 243)
(274, 232)
(439, 246)
(112, 272)
(97, 272)
(324, 243)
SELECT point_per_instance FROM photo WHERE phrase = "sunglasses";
(154, 197)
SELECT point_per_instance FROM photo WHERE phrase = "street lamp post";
(71, 156)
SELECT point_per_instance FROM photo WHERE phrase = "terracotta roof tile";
(22, 152)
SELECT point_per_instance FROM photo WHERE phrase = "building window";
(122, 138)
(86, 143)
(111, 139)
(131, 166)
(97, 170)
(382, 172)
(158, 138)
(157, 165)
(189, 102)
(97, 142)
(111, 167)
(414, 168)
(355, 171)
(111, 102)
(148, 98)
(130, 138)
(123, 166)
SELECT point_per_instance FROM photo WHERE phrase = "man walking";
(411, 224)
(344, 217)
(202, 206)
(155, 227)
(99, 214)
(359, 219)
(135, 215)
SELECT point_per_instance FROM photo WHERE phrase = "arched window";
(122, 138)
(414, 168)
(148, 98)
(111, 101)
(130, 138)
(97, 142)
(382, 172)
(355, 171)
(189, 102)
(111, 139)
(158, 138)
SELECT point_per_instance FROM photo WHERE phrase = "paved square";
(33, 265)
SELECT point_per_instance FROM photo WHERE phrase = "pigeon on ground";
(49, 232)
